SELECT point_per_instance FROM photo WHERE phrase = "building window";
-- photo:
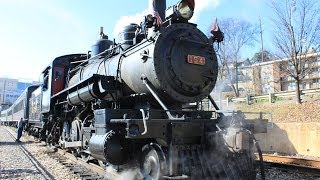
(310, 84)
(292, 86)
(304, 85)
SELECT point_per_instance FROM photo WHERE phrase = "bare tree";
(237, 34)
(297, 34)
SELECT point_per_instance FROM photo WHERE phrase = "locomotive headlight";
(185, 9)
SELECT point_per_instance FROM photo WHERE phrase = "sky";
(34, 32)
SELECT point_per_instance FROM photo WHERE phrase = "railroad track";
(37, 165)
(308, 166)
(83, 169)
(78, 166)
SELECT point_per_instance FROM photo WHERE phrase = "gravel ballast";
(15, 164)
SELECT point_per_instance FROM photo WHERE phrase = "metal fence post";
(270, 97)
(227, 101)
(248, 99)
(220, 100)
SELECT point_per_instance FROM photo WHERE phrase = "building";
(10, 89)
(271, 76)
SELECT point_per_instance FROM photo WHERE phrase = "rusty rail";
(292, 160)
(302, 165)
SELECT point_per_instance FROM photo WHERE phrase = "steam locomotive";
(136, 101)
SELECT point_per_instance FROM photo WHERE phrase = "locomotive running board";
(176, 177)
(145, 82)
(65, 144)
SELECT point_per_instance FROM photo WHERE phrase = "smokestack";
(160, 7)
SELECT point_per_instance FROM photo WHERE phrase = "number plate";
(193, 59)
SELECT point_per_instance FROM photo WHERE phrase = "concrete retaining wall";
(292, 138)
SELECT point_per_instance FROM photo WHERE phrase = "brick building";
(269, 77)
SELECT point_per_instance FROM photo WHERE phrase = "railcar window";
(45, 79)
(18, 107)
(45, 82)
(31, 108)
(38, 102)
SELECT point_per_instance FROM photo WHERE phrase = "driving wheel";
(151, 163)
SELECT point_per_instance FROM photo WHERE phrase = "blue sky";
(34, 32)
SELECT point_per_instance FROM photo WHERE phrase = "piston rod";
(145, 82)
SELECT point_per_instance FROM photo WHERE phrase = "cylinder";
(108, 148)
(97, 146)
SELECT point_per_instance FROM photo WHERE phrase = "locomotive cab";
(53, 80)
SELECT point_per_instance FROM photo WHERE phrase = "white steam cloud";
(128, 174)
(126, 20)
(200, 5)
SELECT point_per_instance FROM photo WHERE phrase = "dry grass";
(287, 112)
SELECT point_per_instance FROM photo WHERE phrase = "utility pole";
(262, 58)
(237, 85)
(4, 91)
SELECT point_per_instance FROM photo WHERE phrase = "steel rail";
(304, 165)
(90, 166)
(34, 161)
(292, 160)
(76, 165)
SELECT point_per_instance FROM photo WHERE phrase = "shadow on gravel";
(16, 173)
(15, 143)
